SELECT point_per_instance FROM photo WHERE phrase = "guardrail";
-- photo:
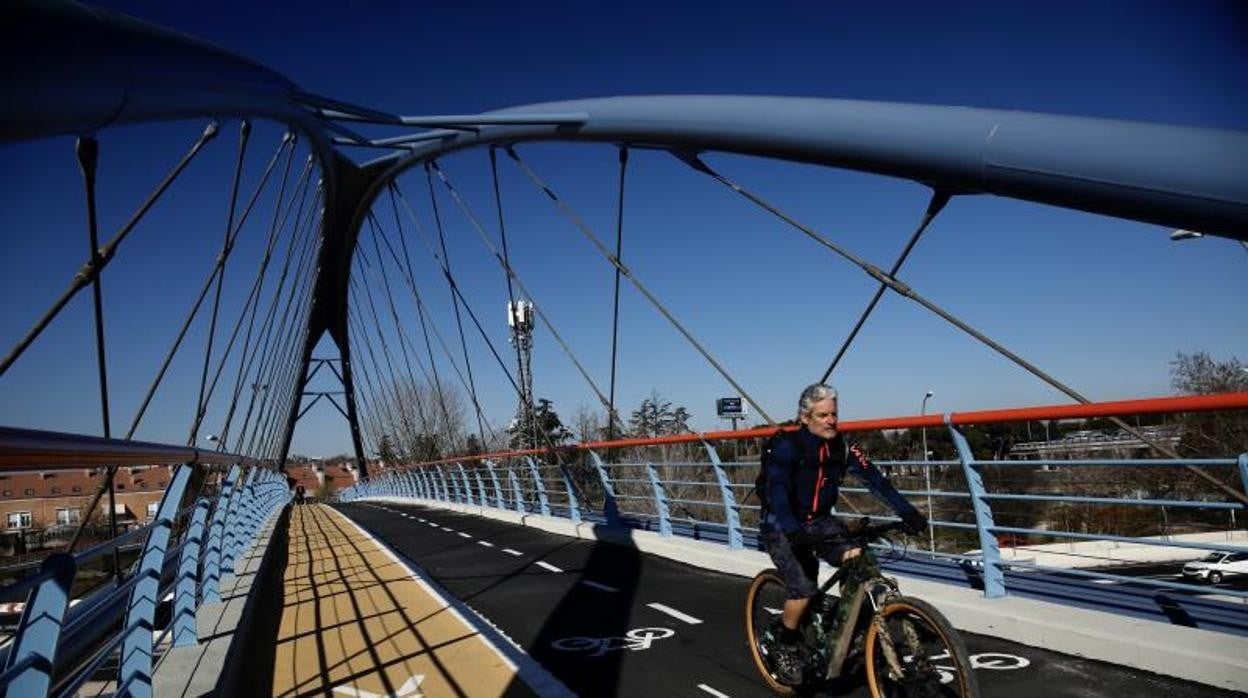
(683, 486)
(209, 515)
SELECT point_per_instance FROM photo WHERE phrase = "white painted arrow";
(409, 689)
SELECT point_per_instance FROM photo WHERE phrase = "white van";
(1216, 565)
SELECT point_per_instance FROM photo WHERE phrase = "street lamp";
(927, 475)
(1178, 235)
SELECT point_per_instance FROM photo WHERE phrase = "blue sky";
(1102, 304)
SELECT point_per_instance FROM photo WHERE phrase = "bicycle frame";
(860, 580)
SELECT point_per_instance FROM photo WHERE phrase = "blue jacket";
(796, 494)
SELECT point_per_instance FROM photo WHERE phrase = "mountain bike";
(905, 646)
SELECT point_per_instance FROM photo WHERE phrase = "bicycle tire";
(764, 598)
(933, 656)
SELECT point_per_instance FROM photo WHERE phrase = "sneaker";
(787, 664)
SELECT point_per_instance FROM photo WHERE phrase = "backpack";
(760, 482)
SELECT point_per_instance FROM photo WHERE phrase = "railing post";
(516, 489)
(731, 516)
(498, 488)
(185, 597)
(235, 522)
(40, 628)
(463, 474)
(994, 577)
(1243, 471)
(135, 675)
(610, 508)
(481, 493)
(216, 535)
(542, 500)
(660, 501)
(574, 506)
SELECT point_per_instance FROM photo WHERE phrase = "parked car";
(1216, 565)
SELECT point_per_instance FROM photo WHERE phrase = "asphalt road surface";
(610, 621)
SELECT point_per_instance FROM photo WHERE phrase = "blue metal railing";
(61, 642)
(710, 499)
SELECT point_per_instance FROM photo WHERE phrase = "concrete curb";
(1202, 656)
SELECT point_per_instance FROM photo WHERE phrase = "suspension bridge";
(359, 260)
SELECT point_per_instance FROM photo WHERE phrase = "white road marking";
(509, 551)
(597, 585)
(410, 688)
(772, 611)
(486, 543)
(464, 535)
(547, 566)
(712, 691)
(674, 613)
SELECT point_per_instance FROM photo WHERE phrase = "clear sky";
(1102, 304)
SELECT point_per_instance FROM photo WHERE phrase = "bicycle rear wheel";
(932, 657)
(763, 605)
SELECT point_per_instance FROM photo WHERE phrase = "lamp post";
(1178, 235)
(927, 475)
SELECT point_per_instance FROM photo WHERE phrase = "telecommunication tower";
(520, 320)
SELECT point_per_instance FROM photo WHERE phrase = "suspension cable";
(200, 403)
(593, 238)
(908, 292)
(410, 277)
(252, 304)
(615, 312)
(537, 308)
(101, 257)
(934, 206)
(526, 398)
(450, 280)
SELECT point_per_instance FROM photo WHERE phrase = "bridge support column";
(994, 577)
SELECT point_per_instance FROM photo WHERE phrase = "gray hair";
(812, 394)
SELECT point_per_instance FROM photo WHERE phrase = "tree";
(656, 417)
(385, 450)
(1210, 434)
(541, 429)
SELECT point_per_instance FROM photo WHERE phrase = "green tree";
(1211, 434)
(541, 429)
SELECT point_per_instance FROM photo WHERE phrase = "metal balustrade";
(207, 517)
(630, 485)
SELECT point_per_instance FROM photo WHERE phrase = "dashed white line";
(712, 691)
(464, 535)
(598, 585)
(486, 543)
(547, 566)
(509, 551)
(674, 613)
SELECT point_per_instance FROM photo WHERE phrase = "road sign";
(731, 407)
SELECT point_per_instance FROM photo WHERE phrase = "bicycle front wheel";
(914, 651)
(763, 605)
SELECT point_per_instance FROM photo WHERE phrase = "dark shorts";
(799, 567)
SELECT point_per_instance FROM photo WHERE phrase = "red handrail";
(1157, 405)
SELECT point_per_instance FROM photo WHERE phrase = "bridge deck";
(355, 622)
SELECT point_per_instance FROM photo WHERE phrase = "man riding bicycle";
(802, 473)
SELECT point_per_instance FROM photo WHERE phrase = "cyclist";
(802, 473)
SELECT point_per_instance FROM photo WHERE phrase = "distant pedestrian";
(299, 494)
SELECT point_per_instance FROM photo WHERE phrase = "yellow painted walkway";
(355, 622)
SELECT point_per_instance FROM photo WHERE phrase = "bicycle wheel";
(932, 657)
(763, 605)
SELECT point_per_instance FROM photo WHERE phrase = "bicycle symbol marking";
(635, 639)
(996, 661)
